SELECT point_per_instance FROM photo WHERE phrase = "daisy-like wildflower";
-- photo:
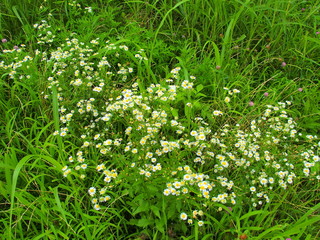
(183, 216)
(194, 133)
(96, 207)
(134, 150)
(263, 181)
(92, 191)
(166, 192)
(225, 164)
(185, 190)
(63, 134)
(217, 113)
(200, 223)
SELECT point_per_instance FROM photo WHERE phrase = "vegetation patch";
(154, 122)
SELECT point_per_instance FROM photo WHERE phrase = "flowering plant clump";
(128, 132)
(157, 133)
(156, 141)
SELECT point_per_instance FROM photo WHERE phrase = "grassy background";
(248, 40)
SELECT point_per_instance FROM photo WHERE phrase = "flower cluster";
(44, 30)
(121, 126)
(196, 214)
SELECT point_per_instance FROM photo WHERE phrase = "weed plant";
(159, 120)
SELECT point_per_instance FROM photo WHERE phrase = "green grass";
(225, 45)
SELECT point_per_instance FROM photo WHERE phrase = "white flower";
(217, 113)
(92, 191)
(183, 216)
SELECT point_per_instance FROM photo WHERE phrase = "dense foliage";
(159, 120)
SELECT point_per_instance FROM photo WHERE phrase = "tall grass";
(267, 49)
(248, 40)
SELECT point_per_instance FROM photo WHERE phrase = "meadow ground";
(173, 119)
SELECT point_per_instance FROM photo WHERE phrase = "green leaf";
(159, 225)
(152, 188)
(175, 113)
(298, 228)
(143, 222)
(141, 208)
(249, 214)
(199, 95)
(156, 211)
(208, 236)
(275, 229)
(199, 87)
